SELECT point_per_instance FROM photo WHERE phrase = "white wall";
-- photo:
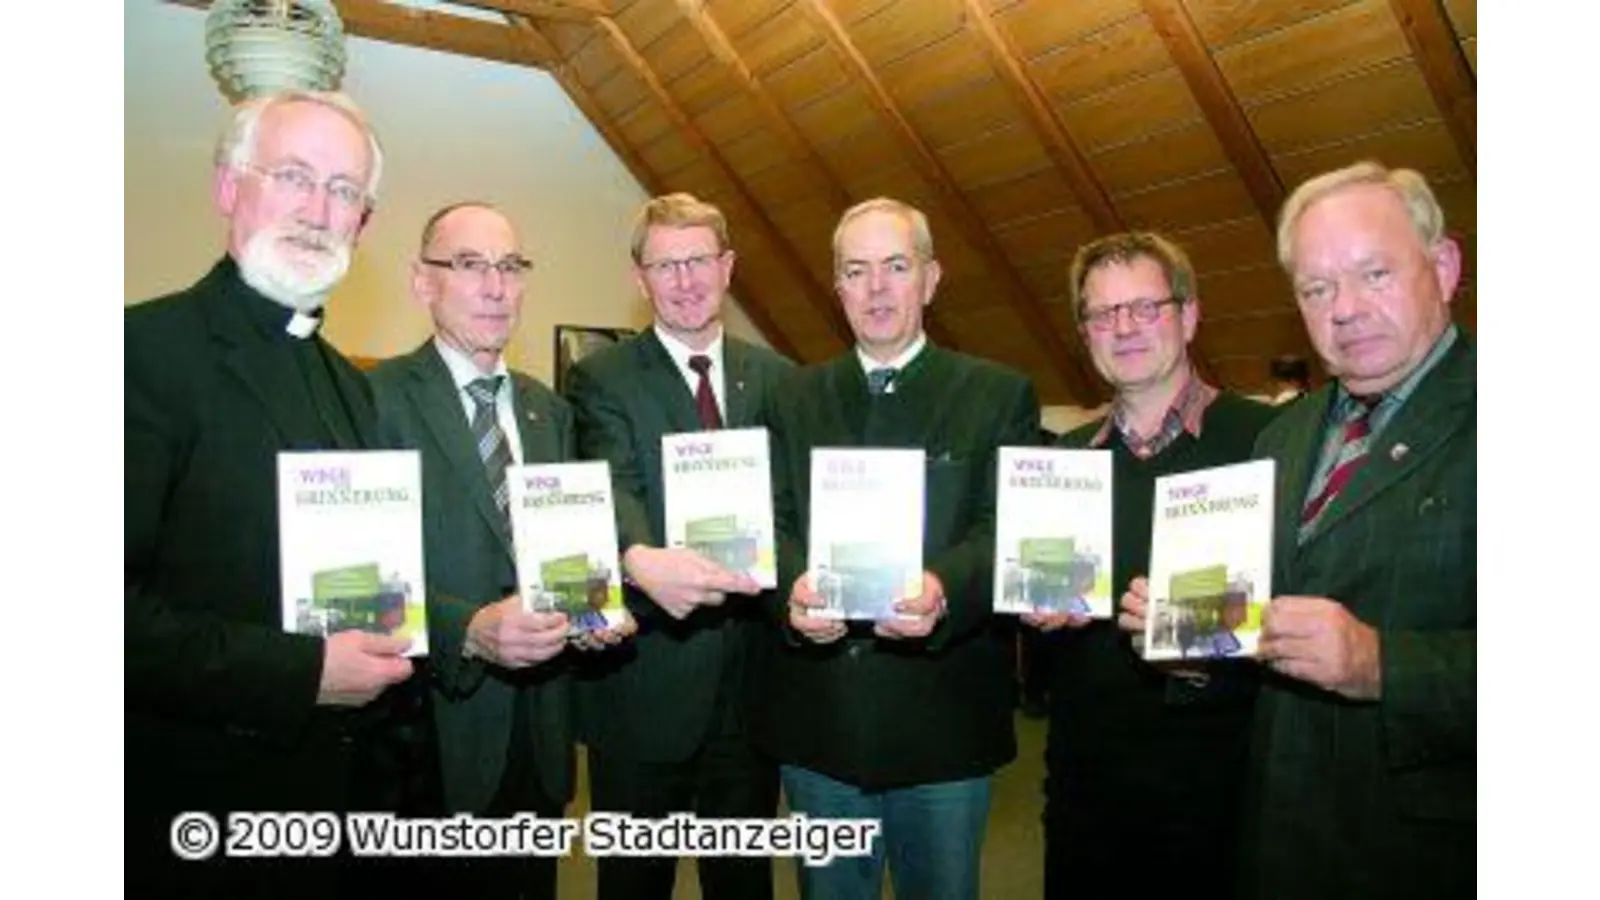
(453, 129)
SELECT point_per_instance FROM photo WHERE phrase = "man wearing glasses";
(1144, 765)
(664, 716)
(225, 710)
(500, 686)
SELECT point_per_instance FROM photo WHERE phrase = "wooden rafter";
(1444, 66)
(836, 196)
(647, 178)
(1047, 126)
(817, 292)
(1068, 365)
(430, 30)
(557, 10)
(1221, 108)
(1058, 143)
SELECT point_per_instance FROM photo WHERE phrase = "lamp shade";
(257, 47)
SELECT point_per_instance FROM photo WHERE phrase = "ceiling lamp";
(257, 47)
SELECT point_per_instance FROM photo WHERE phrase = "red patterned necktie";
(705, 399)
(1354, 441)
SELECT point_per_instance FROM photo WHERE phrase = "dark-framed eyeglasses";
(510, 267)
(1143, 311)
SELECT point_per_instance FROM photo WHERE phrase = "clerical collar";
(302, 325)
(269, 318)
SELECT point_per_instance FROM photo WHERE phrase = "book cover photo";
(1210, 562)
(865, 541)
(718, 498)
(564, 531)
(1053, 532)
(350, 538)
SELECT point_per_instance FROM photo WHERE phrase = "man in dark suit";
(1365, 753)
(226, 711)
(903, 720)
(664, 716)
(501, 692)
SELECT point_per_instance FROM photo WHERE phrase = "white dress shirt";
(680, 353)
(464, 371)
(899, 363)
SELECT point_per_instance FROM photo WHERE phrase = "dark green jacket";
(882, 713)
(1378, 799)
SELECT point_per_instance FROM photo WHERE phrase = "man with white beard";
(225, 711)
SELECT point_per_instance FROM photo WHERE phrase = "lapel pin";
(533, 416)
(738, 385)
(1398, 452)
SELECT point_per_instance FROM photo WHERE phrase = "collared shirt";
(463, 372)
(1343, 408)
(680, 353)
(1186, 413)
(899, 363)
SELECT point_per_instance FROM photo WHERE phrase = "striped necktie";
(1354, 439)
(492, 446)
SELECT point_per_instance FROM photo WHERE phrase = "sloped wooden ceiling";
(1022, 127)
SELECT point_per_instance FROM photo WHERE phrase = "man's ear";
(1446, 258)
(934, 272)
(225, 189)
(1191, 317)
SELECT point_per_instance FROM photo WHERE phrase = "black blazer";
(1378, 799)
(881, 713)
(651, 698)
(220, 702)
(470, 563)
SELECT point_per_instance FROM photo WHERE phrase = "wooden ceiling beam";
(1068, 366)
(1046, 125)
(583, 11)
(819, 294)
(1218, 104)
(649, 180)
(430, 30)
(835, 194)
(1048, 128)
(1444, 67)
(1227, 119)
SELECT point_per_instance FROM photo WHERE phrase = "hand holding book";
(915, 616)
(1135, 606)
(358, 665)
(678, 579)
(1318, 640)
(595, 639)
(803, 601)
(505, 634)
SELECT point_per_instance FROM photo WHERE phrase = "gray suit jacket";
(470, 563)
(1378, 799)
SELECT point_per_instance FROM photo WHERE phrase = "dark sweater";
(1105, 701)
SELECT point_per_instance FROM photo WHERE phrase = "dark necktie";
(492, 446)
(1354, 439)
(880, 380)
(705, 399)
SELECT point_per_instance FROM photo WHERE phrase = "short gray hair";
(921, 236)
(236, 148)
(1408, 184)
